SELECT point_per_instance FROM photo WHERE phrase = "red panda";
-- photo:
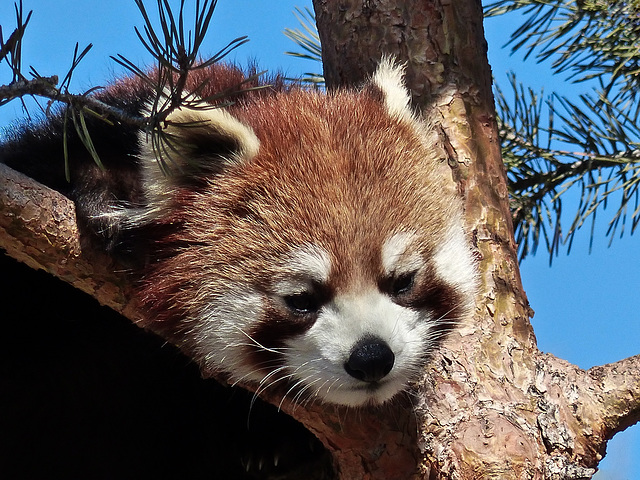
(305, 242)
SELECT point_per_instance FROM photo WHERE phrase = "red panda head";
(314, 243)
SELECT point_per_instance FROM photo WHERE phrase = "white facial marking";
(304, 266)
(320, 354)
(396, 257)
(222, 334)
(309, 261)
(454, 262)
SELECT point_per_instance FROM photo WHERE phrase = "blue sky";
(586, 305)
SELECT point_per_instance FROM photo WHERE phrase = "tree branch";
(46, 87)
(38, 227)
(619, 394)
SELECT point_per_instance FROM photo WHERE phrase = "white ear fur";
(189, 124)
(202, 142)
(389, 78)
(211, 133)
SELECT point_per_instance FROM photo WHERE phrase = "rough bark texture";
(38, 227)
(490, 404)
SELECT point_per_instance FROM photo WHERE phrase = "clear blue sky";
(587, 306)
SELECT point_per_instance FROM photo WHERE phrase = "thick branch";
(38, 227)
(619, 396)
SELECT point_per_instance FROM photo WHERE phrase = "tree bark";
(490, 404)
(38, 227)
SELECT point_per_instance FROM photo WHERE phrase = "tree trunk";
(490, 404)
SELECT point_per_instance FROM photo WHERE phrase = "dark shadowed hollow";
(85, 394)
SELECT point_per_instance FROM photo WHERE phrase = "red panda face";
(324, 255)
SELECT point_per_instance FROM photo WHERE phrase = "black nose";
(370, 360)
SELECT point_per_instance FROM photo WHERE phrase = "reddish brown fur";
(333, 170)
(297, 232)
(227, 82)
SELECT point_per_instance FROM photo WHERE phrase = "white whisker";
(254, 342)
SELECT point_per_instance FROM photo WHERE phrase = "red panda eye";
(402, 284)
(303, 303)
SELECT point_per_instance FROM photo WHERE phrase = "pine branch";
(590, 39)
(592, 145)
(176, 50)
(309, 40)
(11, 49)
(177, 55)
(46, 87)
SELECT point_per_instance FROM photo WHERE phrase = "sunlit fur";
(330, 195)
(309, 244)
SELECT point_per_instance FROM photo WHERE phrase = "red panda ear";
(197, 142)
(389, 80)
(211, 134)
